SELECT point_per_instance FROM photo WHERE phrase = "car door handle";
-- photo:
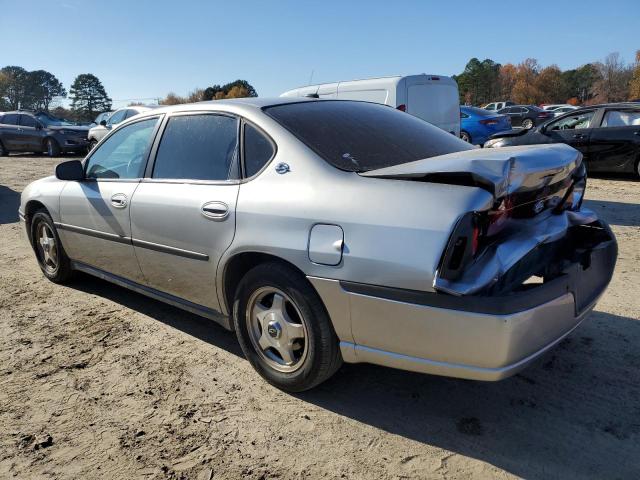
(215, 210)
(637, 132)
(579, 135)
(119, 200)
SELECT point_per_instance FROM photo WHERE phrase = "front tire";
(465, 136)
(51, 147)
(284, 329)
(3, 151)
(50, 254)
(92, 144)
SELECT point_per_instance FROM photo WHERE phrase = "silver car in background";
(111, 120)
(324, 231)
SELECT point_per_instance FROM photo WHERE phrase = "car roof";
(248, 103)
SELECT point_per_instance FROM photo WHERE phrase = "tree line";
(42, 91)
(610, 80)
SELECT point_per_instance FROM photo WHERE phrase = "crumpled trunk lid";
(505, 171)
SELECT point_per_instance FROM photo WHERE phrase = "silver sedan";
(324, 231)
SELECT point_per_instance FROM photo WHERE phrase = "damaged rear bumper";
(481, 337)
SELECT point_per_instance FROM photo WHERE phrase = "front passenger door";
(95, 223)
(574, 130)
(31, 134)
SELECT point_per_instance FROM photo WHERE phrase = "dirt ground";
(99, 382)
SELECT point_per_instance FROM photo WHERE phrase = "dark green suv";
(22, 131)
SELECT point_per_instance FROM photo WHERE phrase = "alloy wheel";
(47, 248)
(277, 329)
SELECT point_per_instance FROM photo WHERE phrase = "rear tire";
(3, 151)
(284, 329)
(52, 149)
(465, 136)
(92, 144)
(50, 254)
(527, 124)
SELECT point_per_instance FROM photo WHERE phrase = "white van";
(433, 98)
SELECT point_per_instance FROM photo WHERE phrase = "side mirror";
(39, 126)
(103, 123)
(71, 170)
(543, 129)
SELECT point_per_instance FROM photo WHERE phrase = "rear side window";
(258, 150)
(10, 119)
(621, 118)
(359, 136)
(198, 147)
(27, 121)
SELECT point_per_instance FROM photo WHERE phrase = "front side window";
(573, 122)
(27, 121)
(361, 136)
(621, 118)
(198, 147)
(123, 155)
(117, 117)
(258, 150)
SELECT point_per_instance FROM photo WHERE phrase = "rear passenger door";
(615, 143)
(9, 131)
(183, 212)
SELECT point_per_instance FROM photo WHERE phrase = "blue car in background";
(477, 124)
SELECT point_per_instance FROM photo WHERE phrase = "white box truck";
(433, 98)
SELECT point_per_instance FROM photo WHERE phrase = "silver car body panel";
(174, 243)
(445, 342)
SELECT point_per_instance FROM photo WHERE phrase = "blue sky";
(144, 49)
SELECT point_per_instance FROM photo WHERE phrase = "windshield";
(51, 121)
(361, 136)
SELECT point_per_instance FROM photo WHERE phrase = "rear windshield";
(481, 112)
(361, 136)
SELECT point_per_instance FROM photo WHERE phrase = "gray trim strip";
(155, 294)
(170, 250)
(135, 242)
(93, 233)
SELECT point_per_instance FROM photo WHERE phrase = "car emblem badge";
(282, 168)
(538, 206)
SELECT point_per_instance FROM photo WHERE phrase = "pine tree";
(88, 96)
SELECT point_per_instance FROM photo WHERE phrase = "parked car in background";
(295, 222)
(526, 116)
(477, 124)
(26, 131)
(101, 116)
(495, 106)
(607, 135)
(433, 98)
(562, 110)
(553, 106)
(98, 132)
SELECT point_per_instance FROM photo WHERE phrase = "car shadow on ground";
(199, 327)
(616, 213)
(9, 204)
(575, 412)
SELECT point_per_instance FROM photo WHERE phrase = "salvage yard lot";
(100, 382)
